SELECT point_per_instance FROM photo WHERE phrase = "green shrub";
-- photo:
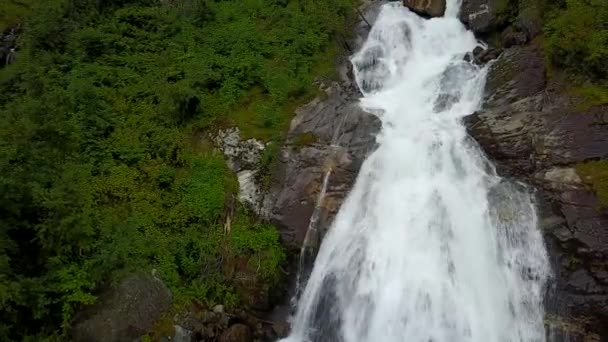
(577, 37)
(99, 174)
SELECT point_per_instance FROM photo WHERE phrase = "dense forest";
(103, 168)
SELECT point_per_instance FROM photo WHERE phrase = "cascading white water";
(430, 245)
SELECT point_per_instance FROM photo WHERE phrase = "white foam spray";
(430, 245)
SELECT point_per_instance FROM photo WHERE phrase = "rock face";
(344, 135)
(243, 157)
(494, 16)
(431, 8)
(479, 15)
(340, 136)
(8, 46)
(124, 313)
(237, 333)
(533, 132)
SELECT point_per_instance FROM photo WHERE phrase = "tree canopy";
(101, 173)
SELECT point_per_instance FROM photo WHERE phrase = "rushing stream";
(430, 245)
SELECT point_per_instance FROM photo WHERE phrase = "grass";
(589, 95)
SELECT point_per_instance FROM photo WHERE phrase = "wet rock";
(581, 281)
(124, 313)
(481, 16)
(281, 329)
(237, 333)
(432, 8)
(518, 73)
(532, 133)
(561, 329)
(511, 37)
(345, 134)
(485, 17)
(482, 56)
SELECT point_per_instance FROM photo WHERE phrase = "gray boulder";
(237, 333)
(124, 313)
(431, 8)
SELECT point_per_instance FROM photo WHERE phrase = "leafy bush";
(99, 173)
(577, 37)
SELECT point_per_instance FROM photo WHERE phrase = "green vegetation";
(576, 45)
(304, 139)
(13, 11)
(100, 177)
(589, 95)
(577, 37)
(595, 173)
(576, 42)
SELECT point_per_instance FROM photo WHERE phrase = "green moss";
(304, 139)
(589, 95)
(532, 10)
(595, 174)
(505, 11)
(162, 329)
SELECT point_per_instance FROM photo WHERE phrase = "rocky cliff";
(537, 133)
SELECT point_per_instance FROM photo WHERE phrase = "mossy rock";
(595, 174)
(304, 139)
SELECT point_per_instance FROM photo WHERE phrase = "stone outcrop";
(480, 15)
(243, 157)
(533, 132)
(519, 21)
(204, 324)
(8, 46)
(124, 313)
(431, 8)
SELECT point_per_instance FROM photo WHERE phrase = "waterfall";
(430, 245)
